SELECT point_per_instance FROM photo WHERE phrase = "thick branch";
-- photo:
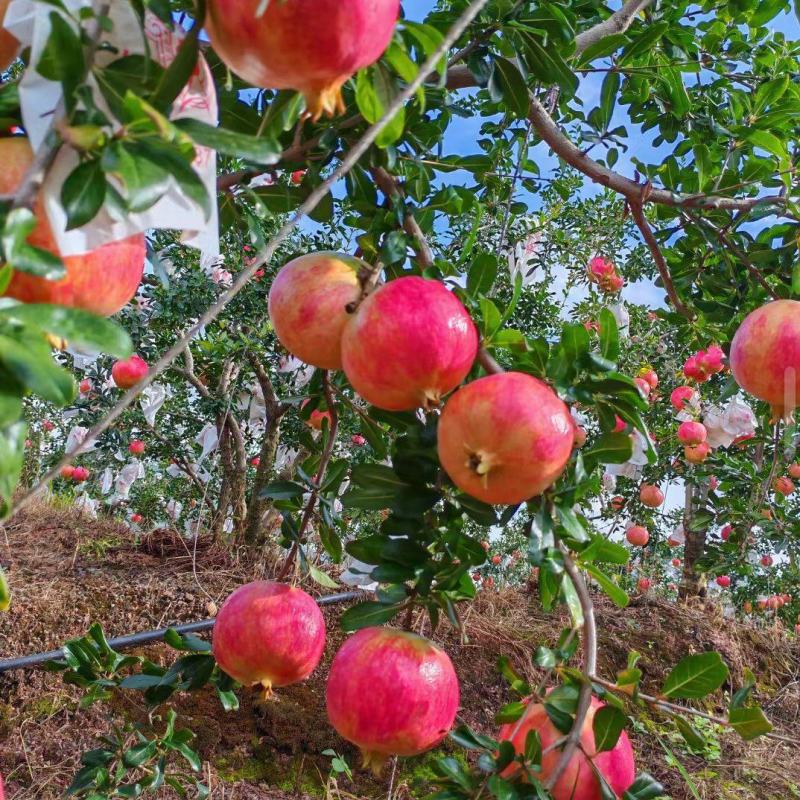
(618, 22)
(271, 401)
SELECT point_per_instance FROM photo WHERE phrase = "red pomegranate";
(651, 495)
(637, 535)
(643, 386)
(617, 503)
(676, 562)
(410, 342)
(80, 474)
(643, 584)
(784, 486)
(794, 470)
(505, 438)
(692, 433)
(317, 417)
(681, 396)
(129, 372)
(136, 447)
(307, 305)
(136, 518)
(580, 436)
(358, 440)
(496, 559)
(312, 46)
(619, 424)
(726, 531)
(697, 454)
(578, 782)
(67, 472)
(391, 692)
(85, 386)
(766, 561)
(724, 581)
(255, 461)
(650, 375)
(765, 355)
(270, 634)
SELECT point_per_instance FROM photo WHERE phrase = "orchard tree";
(341, 334)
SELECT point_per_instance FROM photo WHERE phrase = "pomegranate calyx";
(327, 100)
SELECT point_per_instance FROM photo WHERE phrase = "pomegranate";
(637, 535)
(643, 584)
(784, 486)
(726, 531)
(650, 375)
(747, 607)
(794, 470)
(692, 433)
(766, 561)
(270, 634)
(651, 495)
(136, 518)
(578, 782)
(410, 342)
(643, 386)
(713, 483)
(101, 281)
(8, 52)
(67, 472)
(307, 305)
(47, 425)
(496, 559)
(676, 562)
(617, 503)
(391, 692)
(317, 417)
(580, 436)
(614, 284)
(681, 396)
(358, 440)
(724, 581)
(312, 46)
(85, 386)
(80, 474)
(505, 438)
(765, 355)
(697, 454)
(136, 447)
(297, 176)
(600, 270)
(619, 424)
(255, 461)
(129, 372)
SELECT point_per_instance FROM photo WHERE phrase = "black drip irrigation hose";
(134, 639)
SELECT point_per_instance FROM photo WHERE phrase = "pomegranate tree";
(578, 781)
(391, 692)
(312, 46)
(307, 305)
(408, 344)
(270, 634)
(505, 438)
(765, 355)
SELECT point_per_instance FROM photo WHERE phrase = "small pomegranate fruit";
(297, 176)
(67, 472)
(766, 561)
(317, 417)
(619, 424)
(697, 454)
(676, 562)
(312, 46)
(270, 634)
(496, 559)
(579, 781)
(129, 372)
(505, 438)
(80, 474)
(784, 486)
(136, 518)
(255, 461)
(650, 375)
(85, 386)
(47, 426)
(651, 495)
(747, 607)
(643, 584)
(765, 356)
(724, 581)
(713, 483)
(391, 692)
(580, 436)
(358, 440)
(307, 305)
(692, 433)
(408, 344)
(136, 447)
(726, 532)
(617, 503)
(681, 396)
(643, 386)
(637, 535)
(794, 470)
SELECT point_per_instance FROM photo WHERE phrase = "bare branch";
(618, 22)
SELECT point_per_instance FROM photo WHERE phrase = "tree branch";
(618, 22)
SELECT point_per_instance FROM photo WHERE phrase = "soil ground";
(68, 571)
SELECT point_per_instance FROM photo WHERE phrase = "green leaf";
(644, 42)
(5, 592)
(510, 712)
(610, 448)
(180, 70)
(690, 734)
(645, 787)
(615, 593)
(367, 100)
(62, 59)
(482, 274)
(507, 85)
(12, 456)
(766, 141)
(749, 723)
(83, 193)
(546, 64)
(19, 224)
(609, 335)
(318, 576)
(604, 47)
(367, 614)
(608, 724)
(260, 150)
(608, 100)
(34, 368)
(282, 490)
(696, 676)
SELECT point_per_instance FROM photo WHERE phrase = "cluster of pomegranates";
(502, 438)
(76, 474)
(389, 691)
(602, 272)
(704, 363)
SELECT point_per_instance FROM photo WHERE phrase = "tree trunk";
(692, 583)
(255, 532)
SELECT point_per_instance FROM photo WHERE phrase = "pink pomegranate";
(47, 426)
(650, 375)
(317, 417)
(136, 447)
(297, 176)
(136, 518)
(129, 372)
(713, 483)
(726, 531)
(505, 438)
(724, 581)
(643, 386)
(697, 454)
(614, 284)
(580, 436)
(794, 470)
(312, 46)
(307, 305)
(637, 535)
(600, 270)
(85, 386)
(651, 495)
(391, 692)
(617, 503)
(270, 634)
(681, 396)
(410, 342)
(784, 486)
(692, 433)
(766, 561)
(578, 782)
(619, 424)
(358, 440)
(765, 355)
(255, 461)
(80, 474)
(496, 560)
(67, 472)
(643, 584)
(676, 562)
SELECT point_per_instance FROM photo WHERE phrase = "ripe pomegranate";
(617, 503)
(85, 386)
(673, 587)
(794, 470)
(80, 474)
(129, 372)
(317, 417)
(681, 396)
(358, 440)
(505, 438)
(47, 425)
(496, 559)
(766, 561)
(391, 692)
(747, 607)
(726, 531)
(307, 305)
(8, 52)
(650, 375)
(580, 436)
(619, 424)
(637, 535)
(578, 782)
(784, 486)
(312, 46)
(643, 386)
(697, 454)
(765, 355)
(67, 471)
(270, 634)
(410, 342)
(692, 433)
(724, 581)
(713, 483)
(643, 584)
(651, 495)
(255, 461)
(676, 562)
(102, 280)
(761, 603)
(136, 447)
